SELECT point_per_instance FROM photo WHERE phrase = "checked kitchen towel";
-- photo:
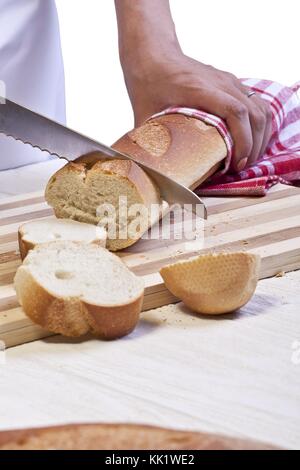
(281, 162)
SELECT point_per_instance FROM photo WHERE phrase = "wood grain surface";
(269, 226)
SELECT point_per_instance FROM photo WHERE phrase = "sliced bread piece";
(214, 284)
(74, 288)
(47, 230)
(120, 437)
(81, 188)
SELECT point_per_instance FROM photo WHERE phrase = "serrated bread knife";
(47, 135)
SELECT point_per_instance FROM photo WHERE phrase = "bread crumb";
(176, 254)
(281, 274)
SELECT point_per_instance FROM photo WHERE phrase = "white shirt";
(31, 68)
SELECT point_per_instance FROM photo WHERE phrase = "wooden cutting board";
(269, 226)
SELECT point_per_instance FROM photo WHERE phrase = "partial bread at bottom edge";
(120, 437)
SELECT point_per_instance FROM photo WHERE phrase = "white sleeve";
(31, 68)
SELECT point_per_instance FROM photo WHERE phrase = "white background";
(251, 39)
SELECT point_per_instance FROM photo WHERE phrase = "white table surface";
(238, 375)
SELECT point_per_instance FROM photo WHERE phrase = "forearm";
(146, 32)
(158, 75)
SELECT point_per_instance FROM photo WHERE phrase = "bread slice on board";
(181, 147)
(214, 284)
(74, 288)
(47, 230)
(119, 437)
(83, 190)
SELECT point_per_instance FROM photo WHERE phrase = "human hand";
(182, 81)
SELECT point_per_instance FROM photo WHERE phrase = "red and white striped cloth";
(281, 162)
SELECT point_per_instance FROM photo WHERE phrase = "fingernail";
(241, 164)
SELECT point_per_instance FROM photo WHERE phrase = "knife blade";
(47, 135)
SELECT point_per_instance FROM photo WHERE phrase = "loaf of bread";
(74, 288)
(214, 284)
(84, 189)
(47, 230)
(119, 437)
(183, 148)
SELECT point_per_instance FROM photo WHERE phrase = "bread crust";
(25, 246)
(120, 437)
(90, 166)
(192, 152)
(114, 322)
(214, 284)
(74, 317)
(126, 169)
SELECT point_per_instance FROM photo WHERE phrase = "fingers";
(236, 115)
(260, 117)
(249, 121)
(258, 122)
(268, 128)
(261, 124)
(239, 123)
